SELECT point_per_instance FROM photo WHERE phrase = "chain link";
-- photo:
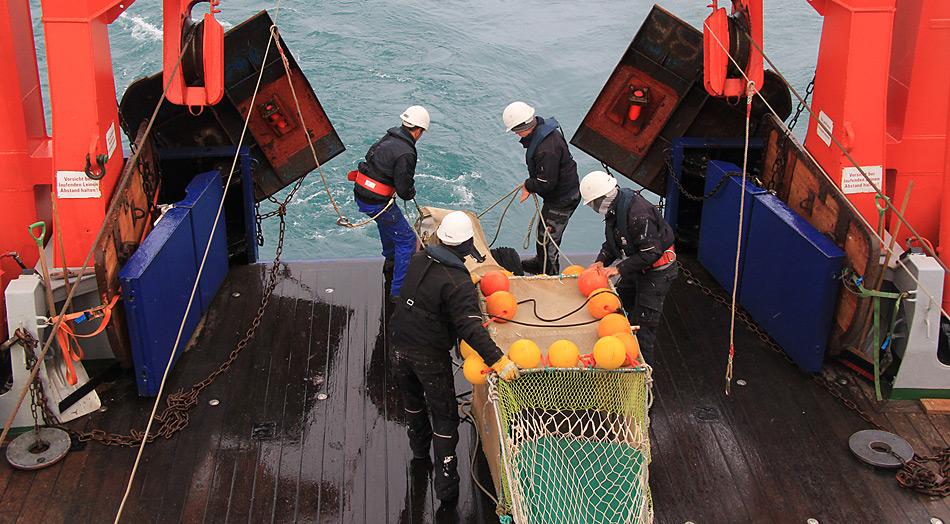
(697, 198)
(175, 416)
(802, 104)
(914, 474)
(39, 404)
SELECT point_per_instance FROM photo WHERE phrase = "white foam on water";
(142, 30)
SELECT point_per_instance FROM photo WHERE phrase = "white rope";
(750, 91)
(113, 205)
(194, 288)
(850, 205)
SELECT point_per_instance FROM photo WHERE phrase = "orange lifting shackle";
(176, 13)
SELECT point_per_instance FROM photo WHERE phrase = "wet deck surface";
(275, 450)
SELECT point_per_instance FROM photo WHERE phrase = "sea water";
(369, 59)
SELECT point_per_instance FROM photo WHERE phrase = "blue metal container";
(158, 279)
(789, 280)
(720, 222)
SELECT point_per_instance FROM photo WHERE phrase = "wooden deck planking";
(775, 450)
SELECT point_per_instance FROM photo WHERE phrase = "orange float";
(602, 302)
(631, 344)
(613, 323)
(589, 280)
(501, 305)
(573, 270)
(563, 354)
(466, 350)
(492, 282)
(475, 370)
(609, 352)
(525, 353)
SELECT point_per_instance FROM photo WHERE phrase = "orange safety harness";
(668, 257)
(369, 184)
(68, 338)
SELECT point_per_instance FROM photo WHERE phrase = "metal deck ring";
(37, 450)
(880, 448)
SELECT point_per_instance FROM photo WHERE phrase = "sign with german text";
(75, 184)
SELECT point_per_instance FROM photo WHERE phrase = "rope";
(342, 221)
(547, 232)
(848, 202)
(121, 185)
(194, 288)
(750, 91)
(513, 194)
(562, 317)
(932, 252)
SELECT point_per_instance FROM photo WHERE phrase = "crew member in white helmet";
(640, 240)
(552, 175)
(387, 172)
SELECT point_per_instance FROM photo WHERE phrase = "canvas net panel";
(575, 445)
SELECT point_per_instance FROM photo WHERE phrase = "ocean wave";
(141, 29)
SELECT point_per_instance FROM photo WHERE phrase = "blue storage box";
(158, 279)
(720, 221)
(789, 280)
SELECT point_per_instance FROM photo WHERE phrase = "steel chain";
(698, 198)
(175, 416)
(39, 404)
(801, 105)
(914, 474)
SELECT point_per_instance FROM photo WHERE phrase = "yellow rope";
(181, 327)
(834, 184)
(750, 90)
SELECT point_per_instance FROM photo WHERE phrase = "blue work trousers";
(397, 237)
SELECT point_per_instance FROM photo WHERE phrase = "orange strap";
(68, 338)
(367, 183)
(668, 256)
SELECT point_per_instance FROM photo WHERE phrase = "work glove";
(506, 369)
(524, 194)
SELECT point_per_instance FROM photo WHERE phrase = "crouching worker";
(437, 306)
(387, 172)
(640, 239)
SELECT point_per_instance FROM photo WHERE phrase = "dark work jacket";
(392, 161)
(646, 236)
(438, 305)
(552, 172)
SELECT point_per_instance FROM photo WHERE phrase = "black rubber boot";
(446, 468)
(531, 265)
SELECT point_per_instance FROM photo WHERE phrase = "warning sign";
(853, 182)
(75, 184)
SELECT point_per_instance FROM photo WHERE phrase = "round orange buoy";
(501, 305)
(475, 370)
(613, 323)
(525, 353)
(466, 350)
(563, 354)
(573, 270)
(493, 281)
(631, 344)
(609, 352)
(589, 280)
(602, 302)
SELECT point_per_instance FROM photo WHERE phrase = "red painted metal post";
(851, 94)
(24, 144)
(87, 137)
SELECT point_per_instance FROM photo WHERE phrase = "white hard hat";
(595, 185)
(516, 113)
(415, 116)
(455, 228)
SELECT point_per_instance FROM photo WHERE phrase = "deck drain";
(741, 382)
(328, 290)
(214, 402)
(321, 396)
(235, 294)
(706, 414)
(38, 449)
(264, 431)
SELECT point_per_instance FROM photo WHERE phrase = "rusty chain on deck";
(915, 474)
(175, 416)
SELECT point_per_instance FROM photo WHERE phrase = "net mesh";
(575, 445)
